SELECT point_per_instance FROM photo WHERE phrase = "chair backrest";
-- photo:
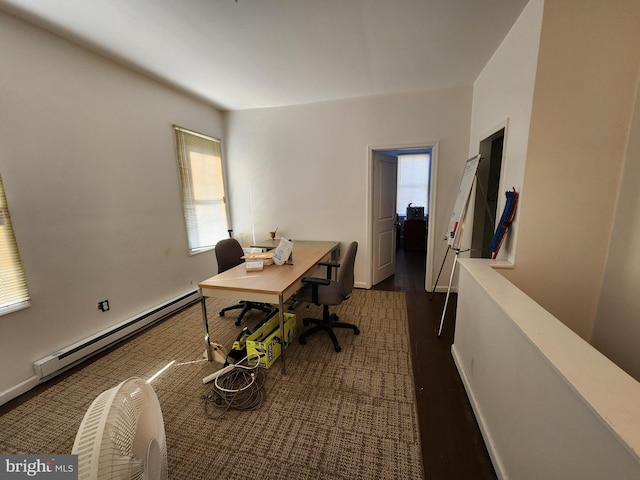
(345, 272)
(229, 253)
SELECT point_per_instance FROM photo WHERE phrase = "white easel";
(456, 226)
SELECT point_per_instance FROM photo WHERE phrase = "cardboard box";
(266, 340)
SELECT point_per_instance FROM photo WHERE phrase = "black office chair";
(326, 292)
(229, 253)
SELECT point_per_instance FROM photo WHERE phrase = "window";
(413, 182)
(202, 188)
(13, 287)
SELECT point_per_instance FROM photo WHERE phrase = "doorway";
(487, 194)
(408, 207)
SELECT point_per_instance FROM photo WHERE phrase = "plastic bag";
(283, 251)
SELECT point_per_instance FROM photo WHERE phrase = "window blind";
(202, 188)
(13, 286)
(413, 182)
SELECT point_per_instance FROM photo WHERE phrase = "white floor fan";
(122, 435)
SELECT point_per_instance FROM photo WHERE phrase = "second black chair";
(325, 292)
(229, 254)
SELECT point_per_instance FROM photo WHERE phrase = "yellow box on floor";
(266, 340)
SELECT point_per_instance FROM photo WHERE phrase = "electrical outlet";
(103, 306)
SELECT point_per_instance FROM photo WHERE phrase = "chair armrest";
(329, 266)
(315, 282)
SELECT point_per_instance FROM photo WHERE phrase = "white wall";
(617, 325)
(549, 404)
(305, 170)
(87, 157)
(503, 97)
(585, 89)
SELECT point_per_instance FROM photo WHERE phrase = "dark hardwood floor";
(452, 445)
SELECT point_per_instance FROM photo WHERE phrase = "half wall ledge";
(548, 403)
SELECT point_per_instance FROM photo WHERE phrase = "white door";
(385, 177)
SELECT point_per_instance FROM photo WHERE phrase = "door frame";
(484, 140)
(432, 209)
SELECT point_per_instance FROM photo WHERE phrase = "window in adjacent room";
(202, 187)
(413, 182)
(13, 286)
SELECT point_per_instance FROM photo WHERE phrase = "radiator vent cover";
(64, 359)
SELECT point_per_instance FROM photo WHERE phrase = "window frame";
(16, 295)
(188, 142)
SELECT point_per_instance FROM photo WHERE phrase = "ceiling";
(240, 54)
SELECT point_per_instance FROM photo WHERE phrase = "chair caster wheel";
(337, 348)
(238, 322)
(221, 314)
(356, 331)
(303, 341)
(305, 322)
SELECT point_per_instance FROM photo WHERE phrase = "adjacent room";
(137, 136)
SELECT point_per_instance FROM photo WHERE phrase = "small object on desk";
(265, 257)
(254, 266)
(273, 234)
(283, 252)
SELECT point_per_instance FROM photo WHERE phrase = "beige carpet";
(348, 415)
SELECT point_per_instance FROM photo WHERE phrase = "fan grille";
(122, 435)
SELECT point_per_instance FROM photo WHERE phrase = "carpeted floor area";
(348, 415)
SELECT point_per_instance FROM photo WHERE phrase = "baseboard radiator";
(73, 354)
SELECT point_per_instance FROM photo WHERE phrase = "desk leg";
(282, 340)
(207, 341)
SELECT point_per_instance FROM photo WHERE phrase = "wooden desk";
(274, 285)
(270, 244)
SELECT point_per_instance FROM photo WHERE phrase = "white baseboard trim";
(18, 390)
(486, 435)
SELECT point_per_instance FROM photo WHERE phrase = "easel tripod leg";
(446, 300)
(433, 290)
